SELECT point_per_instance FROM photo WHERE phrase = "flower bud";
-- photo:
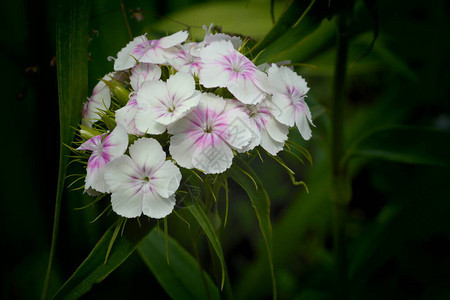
(87, 133)
(119, 92)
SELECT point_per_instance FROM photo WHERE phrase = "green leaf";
(290, 15)
(71, 57)
(244, 175)
(284, 37)
(182, 278)
(412, 145)
(200, 216)
(94, 269)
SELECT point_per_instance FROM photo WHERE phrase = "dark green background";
(398, 232)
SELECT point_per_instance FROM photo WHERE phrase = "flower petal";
(269, 144)
(151, 93)
(126, 116)
(166, 179)
(144, 72)
(95, 174)
(302, 124)
(146, 122)
(245, 90)
(155, 206)
(127, 194)
(124, 59)
(181, 86)
(147, 154)
(182, 149)
(174, 39)
(116, 143)
(282, 109)
(276, 130)
(214, 156)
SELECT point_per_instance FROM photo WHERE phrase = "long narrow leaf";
(71, 58)
(260, 202)
(94, 269)
(208, 229)
(182, 278)
(403, 144)
(310, 20)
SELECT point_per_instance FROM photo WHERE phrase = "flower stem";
(340, 185)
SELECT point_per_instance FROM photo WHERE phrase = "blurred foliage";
(398, 228)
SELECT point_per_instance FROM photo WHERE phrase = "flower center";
(208, 129)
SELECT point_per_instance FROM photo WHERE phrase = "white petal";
(166, 179)
(116, 143)
(124, 58)
(269, 144)
(282, 77)
(146, 122)
(239, 133)
(282, 109)
(276, 130)
(126, 197)
(95, 174)
(245, 90)
(126, 115)
(303, 126)
(182, 149)
(155, 206)
(174, 39)
(144, 72)
(215, 71)
(214, 158)
(152, 93)
(147, 154)
(181, 85)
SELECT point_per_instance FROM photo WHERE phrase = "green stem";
(340, 188)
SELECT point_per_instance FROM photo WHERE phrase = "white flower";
(148, 51)
(105, 148)
(99, 100)
(144, 183)
(205, 138)
(144, 72)
(267, 132)
(224, 66)
(288, 104)
(184, 61)
(162, 103)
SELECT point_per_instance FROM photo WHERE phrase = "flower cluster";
(200, 103)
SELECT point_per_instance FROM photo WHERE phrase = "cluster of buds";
(183, 104)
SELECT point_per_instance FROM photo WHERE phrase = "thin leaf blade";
(405, 144)
(201, 218)
(260, 202)
(182, 278)
(71, 58)
(94, 269)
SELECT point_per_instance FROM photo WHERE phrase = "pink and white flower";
(148, 51)
(144, 182)
(162, 103)
(288, 104)
(126, 116)
(99, 100)
(224, 66)
(184, 61)
(267, 132)
(144, 72)
(206, 137)
(105, 148)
